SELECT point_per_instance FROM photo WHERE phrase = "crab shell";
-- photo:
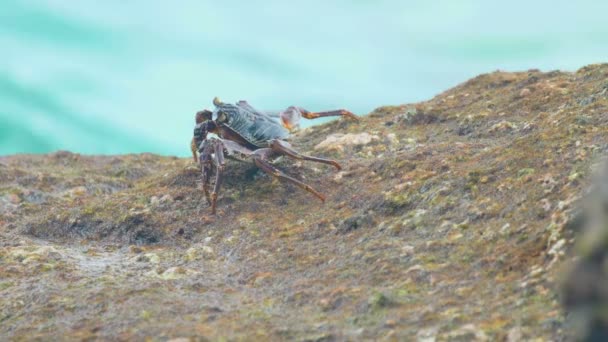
(250, 125)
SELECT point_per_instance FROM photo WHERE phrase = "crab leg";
(194, 149)
(260, 160)
(340, 112)
(218, 160)
(284, 148)
(205, 163)
(199, 134)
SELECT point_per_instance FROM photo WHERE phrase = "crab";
(246, 133)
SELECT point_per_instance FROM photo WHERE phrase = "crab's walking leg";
(206, 179)
(205, 163)
(218, 160)
(261, 161)
(340, 112)
(193, 148)
(283, 147)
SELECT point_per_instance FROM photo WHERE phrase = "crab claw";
(290, 118)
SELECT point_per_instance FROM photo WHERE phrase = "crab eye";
(222, 117)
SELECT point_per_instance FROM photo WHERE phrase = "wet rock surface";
(449, 221)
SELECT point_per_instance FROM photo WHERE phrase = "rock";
(545, 204)
(173, 273)
(414, 268)
(152, 258)
(392, 139)
(135, 249)
(557, 248)
(208, 251)
(548, 183)
(584, 120)
(455, 236)
(515, 334)
(525, 92)
(444, 191)
(397, 227)
(574, 176)
(338, 141)
(354, 223)
(191, 254)
(467, 332)
(156, 201)
(415, 116)
(378, 300)
(245, 223)
(338, 177)
(503, 126)
(78, 191)
(464, 129)
(536, 271)
(407, 250)
(177, 272)
(396, 202)
(44, 254)
(427, 334)
(505, 229)
(166, 199)
(14, 198)
(269, 258)
(390, 323)
(525, 172)
(462, 225)
(261, 279)
(587, 100)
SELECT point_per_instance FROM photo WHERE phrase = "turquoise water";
(128, 76)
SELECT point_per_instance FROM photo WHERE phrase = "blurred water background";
(119, 76)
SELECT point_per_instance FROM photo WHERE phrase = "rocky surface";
(450, 220)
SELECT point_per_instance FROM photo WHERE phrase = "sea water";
(128, 76)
